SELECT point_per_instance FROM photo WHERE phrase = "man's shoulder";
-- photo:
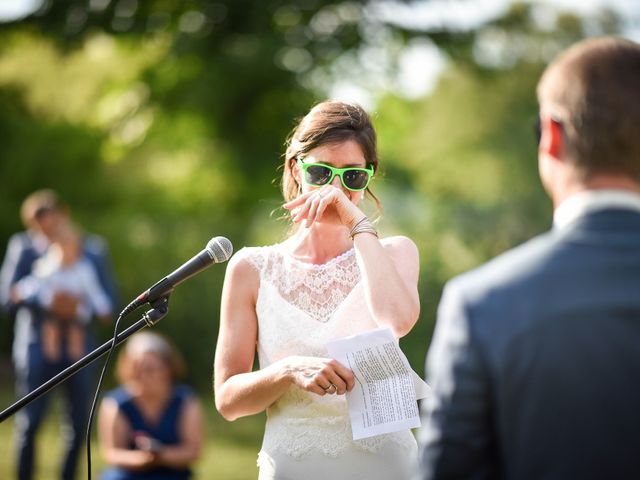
(22, 239)
(93, 239)
(94, 244)
(511, 268)
(21, 244)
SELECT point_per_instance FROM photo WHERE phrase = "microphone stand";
(150, 318)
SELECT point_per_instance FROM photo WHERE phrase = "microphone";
(218, 250)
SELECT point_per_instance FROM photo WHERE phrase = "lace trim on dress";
(318, 266)
(317, 290)
(298, 437)
(301, 422)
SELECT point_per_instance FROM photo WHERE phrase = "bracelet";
(363, 225)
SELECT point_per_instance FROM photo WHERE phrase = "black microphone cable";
(97, 393)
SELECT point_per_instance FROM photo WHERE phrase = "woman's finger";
(299, 200)
(345, 374)
(313, 208)
(328, 197)
(323, 380)
(337, 375)
(317, 389)
(322, 206)
(302, 212)
(338, 382)
(324, 200)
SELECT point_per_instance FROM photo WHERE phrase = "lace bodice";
(317, 290)
(300, 307)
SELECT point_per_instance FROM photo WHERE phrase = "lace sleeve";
(254, 255)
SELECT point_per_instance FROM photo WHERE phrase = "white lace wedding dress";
(300, 307)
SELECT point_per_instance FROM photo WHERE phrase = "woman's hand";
(140, 460)
(115, 433)
(324, 203)
(146, 443)
(319, 375)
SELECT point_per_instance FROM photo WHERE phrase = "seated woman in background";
(150, 427)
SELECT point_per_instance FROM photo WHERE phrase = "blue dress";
(165, 431)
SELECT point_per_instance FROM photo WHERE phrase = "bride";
(331, 278)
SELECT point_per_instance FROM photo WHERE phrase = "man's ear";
(552, 141)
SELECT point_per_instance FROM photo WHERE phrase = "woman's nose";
(336, 182)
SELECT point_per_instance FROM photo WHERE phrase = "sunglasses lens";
(317, 175)
(356, 179)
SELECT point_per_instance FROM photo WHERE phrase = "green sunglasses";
(352, 178)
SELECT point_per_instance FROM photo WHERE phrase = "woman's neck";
(319, 243)
(151, 398)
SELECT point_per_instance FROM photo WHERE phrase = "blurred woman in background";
(331, 278)
(150, 427)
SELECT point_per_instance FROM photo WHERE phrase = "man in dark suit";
(535, 359)
(42, 214)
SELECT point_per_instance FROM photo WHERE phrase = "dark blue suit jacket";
(535, 360)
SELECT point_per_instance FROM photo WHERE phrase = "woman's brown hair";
(148, 342)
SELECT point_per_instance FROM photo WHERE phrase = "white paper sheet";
(384, 398)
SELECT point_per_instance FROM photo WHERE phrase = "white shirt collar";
(588, 201)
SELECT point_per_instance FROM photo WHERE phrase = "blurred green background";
(162, 124)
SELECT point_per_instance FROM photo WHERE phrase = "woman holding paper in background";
(330, 279)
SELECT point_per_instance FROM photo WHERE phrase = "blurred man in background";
(44, 216)
(535, 358)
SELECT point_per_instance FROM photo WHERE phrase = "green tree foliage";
(462, 174)
(162, 124)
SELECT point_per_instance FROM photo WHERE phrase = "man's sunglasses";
(537, 130)
(352, 178)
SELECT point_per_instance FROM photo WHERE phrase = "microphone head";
(220, 249)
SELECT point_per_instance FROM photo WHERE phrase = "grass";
(229, 453)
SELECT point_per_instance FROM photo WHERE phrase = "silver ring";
(331, 385)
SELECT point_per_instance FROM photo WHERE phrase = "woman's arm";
(239, 391)
(114, 433)
(390, 279)
(96, 295)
